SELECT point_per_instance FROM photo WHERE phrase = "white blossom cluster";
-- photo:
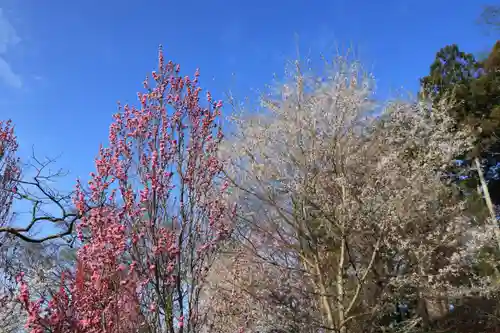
(361, 203)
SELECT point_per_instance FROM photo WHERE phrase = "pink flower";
(131, 222)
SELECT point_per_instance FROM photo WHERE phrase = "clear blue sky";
(64, 64)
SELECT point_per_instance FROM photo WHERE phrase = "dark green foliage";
(451, 68)
(476, 88)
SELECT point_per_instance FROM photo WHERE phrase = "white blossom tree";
(359, 205)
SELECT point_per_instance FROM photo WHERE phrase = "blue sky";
(64, 64)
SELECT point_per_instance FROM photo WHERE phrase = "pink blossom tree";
(155, 215)
(20, 249)
(9, 170)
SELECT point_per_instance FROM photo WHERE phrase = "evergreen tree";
(475, 86)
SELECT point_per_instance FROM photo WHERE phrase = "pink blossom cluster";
(9, 169)
(152, 211)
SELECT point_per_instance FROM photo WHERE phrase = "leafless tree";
(44, 205)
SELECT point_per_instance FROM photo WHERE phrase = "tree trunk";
(489, 203)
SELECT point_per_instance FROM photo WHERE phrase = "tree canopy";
(475, 85)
